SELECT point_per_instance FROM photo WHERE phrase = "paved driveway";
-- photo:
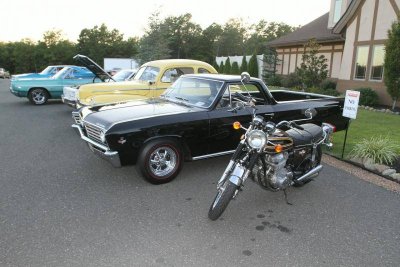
(62, 206)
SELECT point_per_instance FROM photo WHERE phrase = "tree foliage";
(253, 66)
(313, 68)
(235, 68)
(169, 37)
(392, 62)
(227, 68)
(243, 66)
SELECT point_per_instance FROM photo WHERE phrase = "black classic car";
(192, 120)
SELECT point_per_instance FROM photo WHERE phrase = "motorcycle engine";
(272, 173)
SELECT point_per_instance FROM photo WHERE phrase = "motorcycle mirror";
(310, 113)
(245, 77)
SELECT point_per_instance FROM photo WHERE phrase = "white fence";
(238, 59)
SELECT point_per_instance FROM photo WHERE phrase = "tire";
(318, 156)
(38, 96)
(221, 200)
(160, 161)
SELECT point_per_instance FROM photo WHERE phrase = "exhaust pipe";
(310, 173)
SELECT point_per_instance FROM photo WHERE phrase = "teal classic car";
(39, 90)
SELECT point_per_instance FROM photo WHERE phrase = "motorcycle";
(275, 156)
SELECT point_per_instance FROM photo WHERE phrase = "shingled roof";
(317, 29)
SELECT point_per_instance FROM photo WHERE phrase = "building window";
(361, 62)
(377, 63)
(337, 11)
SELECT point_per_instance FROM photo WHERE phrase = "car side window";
(252, 89)
(202, 70)
(170, 75)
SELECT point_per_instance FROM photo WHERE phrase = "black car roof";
(219, 77)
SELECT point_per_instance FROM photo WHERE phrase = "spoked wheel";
(222, 199)
(38, 96)
(309, 166)
(160, 161)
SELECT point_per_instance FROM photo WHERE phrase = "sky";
(31, 18)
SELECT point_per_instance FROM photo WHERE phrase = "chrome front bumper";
(99, 149)
(69, 102)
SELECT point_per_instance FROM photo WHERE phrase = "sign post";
(350, 110)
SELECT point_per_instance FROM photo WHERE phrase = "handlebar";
(291, 124)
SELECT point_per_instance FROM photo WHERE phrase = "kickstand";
(286, 199)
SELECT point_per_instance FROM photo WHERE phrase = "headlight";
(102, 137)
(257, 139)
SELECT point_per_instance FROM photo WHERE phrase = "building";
(352, 36)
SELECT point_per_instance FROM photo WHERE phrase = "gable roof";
(317, 29)
(348, 14)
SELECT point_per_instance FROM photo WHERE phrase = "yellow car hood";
(101, 93)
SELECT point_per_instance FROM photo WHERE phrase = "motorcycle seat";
(311, 134)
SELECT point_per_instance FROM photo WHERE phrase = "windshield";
(192, 91)
(62, 73)
(147, 73)
(47, 70)
(123, 75)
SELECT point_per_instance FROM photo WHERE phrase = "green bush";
(291, 81)
(274, 80)
(328, 84)
(235, 68)
(368, 97)
(381, 150)
(316, 90)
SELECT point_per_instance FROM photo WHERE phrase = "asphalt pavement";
(60, 205)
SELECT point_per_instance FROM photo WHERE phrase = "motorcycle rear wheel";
(222, 199)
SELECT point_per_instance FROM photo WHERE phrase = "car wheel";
(38, 96)
(160, 161)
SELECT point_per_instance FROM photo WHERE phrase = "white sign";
(351, 104)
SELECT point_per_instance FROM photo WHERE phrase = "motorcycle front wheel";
(222, 199)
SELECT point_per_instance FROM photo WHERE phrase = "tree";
(232, 39)
(253, 66)
(215, 65)
(264, 32)
(313, 68)
(100, 42)
(235, 68)
(243, 66)
(392, 63)
(227, 68)
(221, 67)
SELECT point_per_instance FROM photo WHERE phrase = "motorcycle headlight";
(102, 136)
(257, 139)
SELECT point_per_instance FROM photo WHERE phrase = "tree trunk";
(394, 103)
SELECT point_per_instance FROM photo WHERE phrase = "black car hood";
(111, 114)
(93, 67)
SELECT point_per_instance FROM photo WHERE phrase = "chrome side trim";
(214, 155)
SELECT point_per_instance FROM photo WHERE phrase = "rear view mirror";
(310, 113)
(245, 77)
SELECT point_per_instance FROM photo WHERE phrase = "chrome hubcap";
(162, 161)
(38, 96)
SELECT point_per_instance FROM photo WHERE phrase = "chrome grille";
(93, 132)
(77, 118)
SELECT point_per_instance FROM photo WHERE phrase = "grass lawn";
(367, 124)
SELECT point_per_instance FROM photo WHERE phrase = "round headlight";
(102, 137)
(257, 139)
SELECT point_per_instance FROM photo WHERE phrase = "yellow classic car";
(151, 80)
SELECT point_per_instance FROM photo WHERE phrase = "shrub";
(368, 97)
(328, 84)
(235, 68)
(274, 80)
(380, 149)
(243, 66)
(316, 90)
(228, 66)
(292, 80)
(253, 66)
